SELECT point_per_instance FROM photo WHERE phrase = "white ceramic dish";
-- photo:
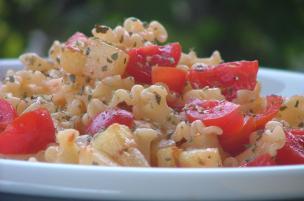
(91, 182)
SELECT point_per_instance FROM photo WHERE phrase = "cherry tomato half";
(109, 117)
(263, 160)
(229, 77)
(293, 150)
(28, 134)
(174, 78)
(223, 114)
(141, 60)
(7, 113)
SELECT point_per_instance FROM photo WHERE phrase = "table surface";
(15, 197)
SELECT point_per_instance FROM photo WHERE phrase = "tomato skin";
(7, 113)
(235, 142)
(274, 103)
(216, 113)
(109, 117)
(77, 37)
(293, 150)
(263, 160)
(229, 77)
(174, 78)
(28, 134)
(141, 60)
(176, 104)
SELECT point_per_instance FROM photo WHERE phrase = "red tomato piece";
(74, 41)
(229, 77)
(263, 160)
(174, 78)
(28, 134)
(109, 117)
(235, 142)
(141, 60)
(293, 150)
(7, 113)
(176, 104)
(273, 105)
(223, 114)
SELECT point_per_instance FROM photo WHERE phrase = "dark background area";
(270, 31)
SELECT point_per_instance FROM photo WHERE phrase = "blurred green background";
(271, 31)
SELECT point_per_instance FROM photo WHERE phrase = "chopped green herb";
(114, 56)
(109, 60)
(58, 60)
(24, 95)
(104, 68)
(134, 19)
(101, 28)
(283, 108)
(72, 77)
(121, 39)
(157, 98)
(88, 50)
(301, 124)
(297, 103)
(11, 78)
(171, 60)
(167, 159)
(89, 97)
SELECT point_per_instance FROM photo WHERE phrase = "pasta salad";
(125, 97)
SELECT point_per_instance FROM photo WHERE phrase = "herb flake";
(296, 104)
(282, 108)
(101, 28)
(72, 77)
(114, 56)
(11, 78)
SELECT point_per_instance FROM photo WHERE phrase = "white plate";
(92, 182)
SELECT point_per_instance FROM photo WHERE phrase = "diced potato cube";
(144, 138)
(72, 61)
(118, 142)
(166, 157)
(209, 157)
(104, 60)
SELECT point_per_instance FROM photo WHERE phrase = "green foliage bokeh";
(270, 31)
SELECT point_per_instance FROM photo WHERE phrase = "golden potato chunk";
(209, 157)
(104, 60)
(119, 143)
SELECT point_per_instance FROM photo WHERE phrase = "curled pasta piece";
(148, 103)
(104, 90)
(188, 131)
(144, 138)
(133, 34)
(204, 94)
(159, 31)
(67, 151)
(41, 102)
(191, 59)
(272, 139)
(55, 52)
(34, 62)
(251, 101)
(292, 111)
